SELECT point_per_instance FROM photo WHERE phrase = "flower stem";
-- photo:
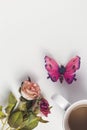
(8, 128)
(4, 123)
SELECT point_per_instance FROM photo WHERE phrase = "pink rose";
(30, 90)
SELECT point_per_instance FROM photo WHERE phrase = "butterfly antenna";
(48, 77)
(75, 79)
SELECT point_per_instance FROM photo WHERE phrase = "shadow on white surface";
(76, 91)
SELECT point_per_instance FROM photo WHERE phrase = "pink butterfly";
(56, 72)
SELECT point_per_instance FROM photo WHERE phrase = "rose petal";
(30, 91)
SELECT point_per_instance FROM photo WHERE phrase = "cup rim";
(70, 108)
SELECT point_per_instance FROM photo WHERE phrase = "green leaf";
(24, 128)
(30, 123)
(22, 106)
(50, 107)
(0, 108)
(33, 123)
(2, 115)
(15, 119)
(12, 99)
(9, 108)
(43, 121)
(36, 111)
(11, 103)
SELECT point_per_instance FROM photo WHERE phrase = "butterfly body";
(62, 69)
(61, 72)
(67, 72)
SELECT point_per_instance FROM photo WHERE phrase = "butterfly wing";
(69, 78)
(52, 68)
(72, 66)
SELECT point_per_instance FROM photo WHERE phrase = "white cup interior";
(69, 110)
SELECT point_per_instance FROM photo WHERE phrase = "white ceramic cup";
(67, 107)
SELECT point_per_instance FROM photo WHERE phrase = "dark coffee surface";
(78, 119)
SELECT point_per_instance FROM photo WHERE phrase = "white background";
(31, 29)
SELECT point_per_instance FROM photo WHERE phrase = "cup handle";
(61, 101)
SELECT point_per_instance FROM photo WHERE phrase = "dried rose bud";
(44, 107)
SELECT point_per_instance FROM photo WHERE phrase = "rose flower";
(30, 90)
(44, 107)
